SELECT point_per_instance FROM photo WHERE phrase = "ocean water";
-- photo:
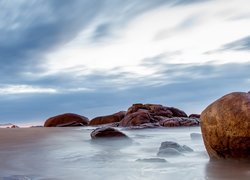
(69, 153)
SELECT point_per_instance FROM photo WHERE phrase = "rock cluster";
(137, 116)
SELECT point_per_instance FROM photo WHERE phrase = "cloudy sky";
(96, 57)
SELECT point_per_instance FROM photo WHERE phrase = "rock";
(169, 148)
(179, 121)
(134, 108)
(169, 152)
(225, 126)
(195, 136)
(36, 126)
(157, 110)
(143, 126)
(152, 160)
(117, 117)
(189, 121)
(14, 126)
(194, 116)
(136, 119)
(66, 120)
(187, 149)
(177, 112)
(170, 122)
(107, 132)
(139, 114)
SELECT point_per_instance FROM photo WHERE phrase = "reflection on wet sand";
(228, 170)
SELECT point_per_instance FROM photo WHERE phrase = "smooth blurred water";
(72, 155)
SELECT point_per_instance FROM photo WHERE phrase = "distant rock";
(144, 126)
(107, 132)
(177, 112)
(139, 114)
(225, 126)
(14, 126)
(152, 160)
(8, 125)
(169, 148)
(179, 121)
(194, 116)
(66, 120)
(36, 126)
(117, 117)
(157, 110)
(136, 119)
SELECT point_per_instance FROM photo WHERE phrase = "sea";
(70, 154)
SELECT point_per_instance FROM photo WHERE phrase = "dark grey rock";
(152, 160)
(169, 152)
(170, 148)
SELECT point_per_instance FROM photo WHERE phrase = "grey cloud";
(242, 44)
(40, 27)
(238, 45)
(31, 29)
(190, 87)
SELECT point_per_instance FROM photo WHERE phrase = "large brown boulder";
(66, 120)
(117, 117)
(136, 119)
(106, 132)
(225, 126)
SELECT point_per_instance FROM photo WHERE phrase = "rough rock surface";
(194, 116)
(225, 126)
(143, 126)
(117, 117)
(139, 114)
(136, 119)
(179, 121)
(169, 148)
(66, 120)
(106, 132)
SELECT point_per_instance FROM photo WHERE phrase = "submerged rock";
(225, 126)
(117, 117)
(107, 132)
(170, 148)
(152, 160)
(66, 120)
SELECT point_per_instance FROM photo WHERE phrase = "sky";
(97, 57)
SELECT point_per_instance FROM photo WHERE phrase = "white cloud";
(136, 41)
(24, 89)
(27, 89)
